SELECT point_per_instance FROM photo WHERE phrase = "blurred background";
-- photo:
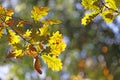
(92, 53)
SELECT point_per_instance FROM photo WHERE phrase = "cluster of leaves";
(37, 41)
(108, 9)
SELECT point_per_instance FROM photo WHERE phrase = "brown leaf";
(41, 46)
(10, 22)
(10, 55)
(37, 65)
(32, 48)
(31, 51)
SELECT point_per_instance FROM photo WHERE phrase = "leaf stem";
(109, 7)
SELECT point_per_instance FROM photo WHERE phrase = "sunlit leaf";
(108, 15)
(113, 4)
(54, 63)
(44, 30)
(39, 12)
(13, 37)
(27, 34)
(9, 14)
(56, 44)
(89, 17)
(16, 53)
(91, 4)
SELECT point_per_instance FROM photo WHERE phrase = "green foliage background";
(84, 43)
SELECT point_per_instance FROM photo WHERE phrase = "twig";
(109, 8)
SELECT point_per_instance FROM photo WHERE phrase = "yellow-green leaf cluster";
(27, 33)
(114, 4)
(108, 9)
(39, 12)
(13, 38)
(5, 14)
(8, 13)
(37, 41)
(91, 4)
(56, 44)
(44, 31)
(54, 63)
(18, 53)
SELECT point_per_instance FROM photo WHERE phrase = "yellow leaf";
(44, 30)
(27, 33)
(56, 49)
(91, 4)
(9, 14)
(111, 4)
(39, 12)
(56, 44)
(2, 13)
(89, 17)
(13, 37)
(5, 14)
(55, 38)
(54, 63)
(108, 15)
(18, 53)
